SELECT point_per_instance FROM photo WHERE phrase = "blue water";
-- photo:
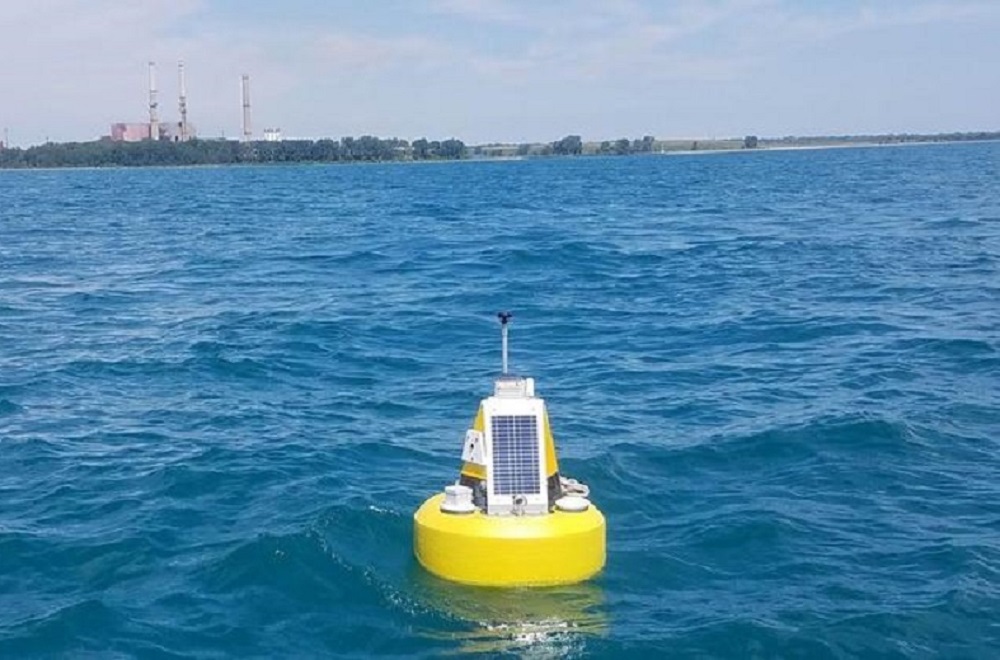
(224, 391)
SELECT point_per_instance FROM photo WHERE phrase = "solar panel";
(515, 455)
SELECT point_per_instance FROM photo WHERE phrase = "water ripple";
(777, 372)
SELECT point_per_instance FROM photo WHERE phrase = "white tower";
(182, 103)
(247, 129)
(154, 121)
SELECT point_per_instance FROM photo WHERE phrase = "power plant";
(182, 130)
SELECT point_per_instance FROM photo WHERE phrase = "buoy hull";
(506, 551)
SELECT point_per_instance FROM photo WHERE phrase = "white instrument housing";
(514, 443)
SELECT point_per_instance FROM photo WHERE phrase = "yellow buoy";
(556, 548)
(511, 519)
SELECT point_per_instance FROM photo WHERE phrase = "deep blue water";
(224, 391)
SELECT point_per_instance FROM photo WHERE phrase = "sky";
(504, 70)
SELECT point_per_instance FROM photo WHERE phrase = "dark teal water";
(223, 392)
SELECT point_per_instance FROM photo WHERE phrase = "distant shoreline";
(818, 147)
(103, 154)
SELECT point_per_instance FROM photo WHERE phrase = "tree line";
(367, 148)
(572, 145)
(105, 153)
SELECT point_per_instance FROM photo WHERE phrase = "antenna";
(505, 318)
(182, 103)
(154, 122)
(247, 130)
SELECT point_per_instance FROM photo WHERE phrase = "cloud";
(350, 52)
(607, 41)
(797, 23)
(69, 63)
(484, 11)
(82, 66)
(74, 67)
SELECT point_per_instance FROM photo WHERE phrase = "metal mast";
(505, 318)
(247, 130)
(182, 103)
(154, 121)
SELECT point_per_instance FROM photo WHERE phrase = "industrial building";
(180, 131)
(124, 132)
(132, 132)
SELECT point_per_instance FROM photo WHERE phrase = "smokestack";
(182, 103)
(154, 121)
(247, 130)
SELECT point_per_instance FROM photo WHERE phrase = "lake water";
(224, 391)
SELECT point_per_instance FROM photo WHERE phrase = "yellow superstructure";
(475, 471)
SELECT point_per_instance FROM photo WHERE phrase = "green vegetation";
(104, 153)
(571, 145)
(890, 138)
